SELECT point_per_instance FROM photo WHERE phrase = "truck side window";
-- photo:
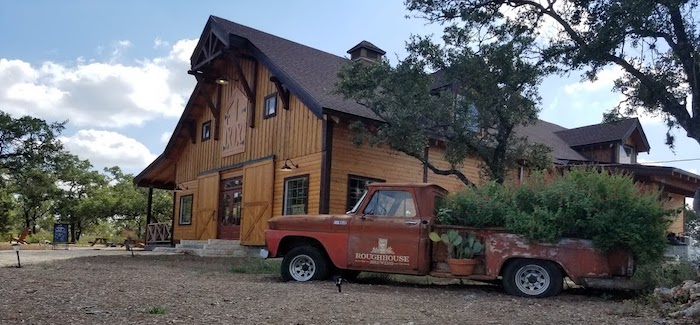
(391, 203)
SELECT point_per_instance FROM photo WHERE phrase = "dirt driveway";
(177, 289)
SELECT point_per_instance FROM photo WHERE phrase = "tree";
(656, 44)
(490, 90)
(78, 182)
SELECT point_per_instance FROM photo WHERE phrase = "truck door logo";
(382, 254)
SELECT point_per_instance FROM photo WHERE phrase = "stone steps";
(212, 247)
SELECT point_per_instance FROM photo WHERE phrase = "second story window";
(270, 108)
(627, 155)
(356, 188)
(206, 131)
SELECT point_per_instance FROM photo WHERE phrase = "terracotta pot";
(462, 266)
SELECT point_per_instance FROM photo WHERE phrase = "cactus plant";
(458, 246)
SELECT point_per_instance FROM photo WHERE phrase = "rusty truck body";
(387, 231)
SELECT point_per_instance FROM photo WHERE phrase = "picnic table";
(101, 240)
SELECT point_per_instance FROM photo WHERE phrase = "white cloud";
(107, 148)
(165, 137)
(159, 43)
(604, 82)
(99, 94)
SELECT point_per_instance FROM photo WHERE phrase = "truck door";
(385, 235)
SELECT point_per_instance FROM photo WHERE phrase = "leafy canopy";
(656, 44)
(473, 104)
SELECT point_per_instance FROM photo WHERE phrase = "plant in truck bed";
(609, 209)
(459, 247)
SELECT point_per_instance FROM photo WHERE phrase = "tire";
(533, 278)
(303, 264)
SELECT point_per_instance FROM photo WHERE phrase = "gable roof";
(315, 72)
(367, 45)
(617, 131)
(544, 133)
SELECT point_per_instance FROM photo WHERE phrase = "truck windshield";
(357, 205)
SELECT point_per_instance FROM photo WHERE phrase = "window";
(296, 195)
(206, 130)
(185, 210)
(627, 155)
(356, 187)
(270, 108)
(392, 204)
(466, 114)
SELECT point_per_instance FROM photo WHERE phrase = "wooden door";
(230, 204)
(207, 203)
(385, 236)
(258, 183)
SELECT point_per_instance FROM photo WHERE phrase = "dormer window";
(627, 155)
(206, 131)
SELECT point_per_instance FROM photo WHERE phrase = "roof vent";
(365, 51)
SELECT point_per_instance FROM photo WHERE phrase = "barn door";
(207, 203)
(258, 183)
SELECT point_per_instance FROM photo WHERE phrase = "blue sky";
(117, 70)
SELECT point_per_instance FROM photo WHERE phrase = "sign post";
(15, 247)
(60, 234)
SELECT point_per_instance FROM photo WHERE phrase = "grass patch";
(157, 310)
(256, 265)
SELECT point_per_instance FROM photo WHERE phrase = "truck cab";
(388, 231)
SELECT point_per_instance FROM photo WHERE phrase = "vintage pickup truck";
(388, 231)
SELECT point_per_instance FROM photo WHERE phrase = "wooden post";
(149, 207)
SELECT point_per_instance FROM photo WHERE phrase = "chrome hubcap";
(532, 279)
(302, 268)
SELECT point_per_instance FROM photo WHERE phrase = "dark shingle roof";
(544, 133)
(313, 70)
(599, 133)
(367, 45)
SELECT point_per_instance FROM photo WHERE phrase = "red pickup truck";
(388, 231)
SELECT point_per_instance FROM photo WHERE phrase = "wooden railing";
(158, 233)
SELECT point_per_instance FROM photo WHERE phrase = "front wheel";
(304, 263)
(533, 278)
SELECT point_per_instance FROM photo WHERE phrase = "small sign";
(60, 233)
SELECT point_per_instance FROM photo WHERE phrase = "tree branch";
(445, 172)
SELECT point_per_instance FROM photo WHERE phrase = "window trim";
(179, 217)
(265, 115)
(206, 124)
(365, 178)
(284, 192)
(633, 154)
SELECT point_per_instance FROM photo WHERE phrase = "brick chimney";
(365, 51)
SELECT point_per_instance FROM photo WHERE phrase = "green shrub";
(669, 274)
(609, 209)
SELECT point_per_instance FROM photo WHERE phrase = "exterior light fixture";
(180, 187)
(288, 167)
(221, 81)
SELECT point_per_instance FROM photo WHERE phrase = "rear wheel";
(533, 278)
(304, 263)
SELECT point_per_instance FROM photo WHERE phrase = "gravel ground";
(46, 254)
(194, 290)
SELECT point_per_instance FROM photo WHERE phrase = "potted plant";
(460, 251)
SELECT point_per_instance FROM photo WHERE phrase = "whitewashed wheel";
(533, 278)
(303, 264)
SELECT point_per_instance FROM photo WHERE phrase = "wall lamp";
(288, 168)
(180, 187)
(224, 80)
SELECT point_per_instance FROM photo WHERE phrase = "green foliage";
(157, 310)
(255, 265)
(609, 209)
(483, 86)
(655, 44)
(649, 276)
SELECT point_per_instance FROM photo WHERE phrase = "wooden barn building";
(264, 134)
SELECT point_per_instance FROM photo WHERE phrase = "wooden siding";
(308, 165)
(675, 201)
(258, 180)
(602, 153)
(470, 168)
(291, 133)
(185, 231)
(382, 163)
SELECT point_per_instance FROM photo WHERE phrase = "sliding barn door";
(258, 183)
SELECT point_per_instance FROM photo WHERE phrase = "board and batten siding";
(290, 133)
(381, 163)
